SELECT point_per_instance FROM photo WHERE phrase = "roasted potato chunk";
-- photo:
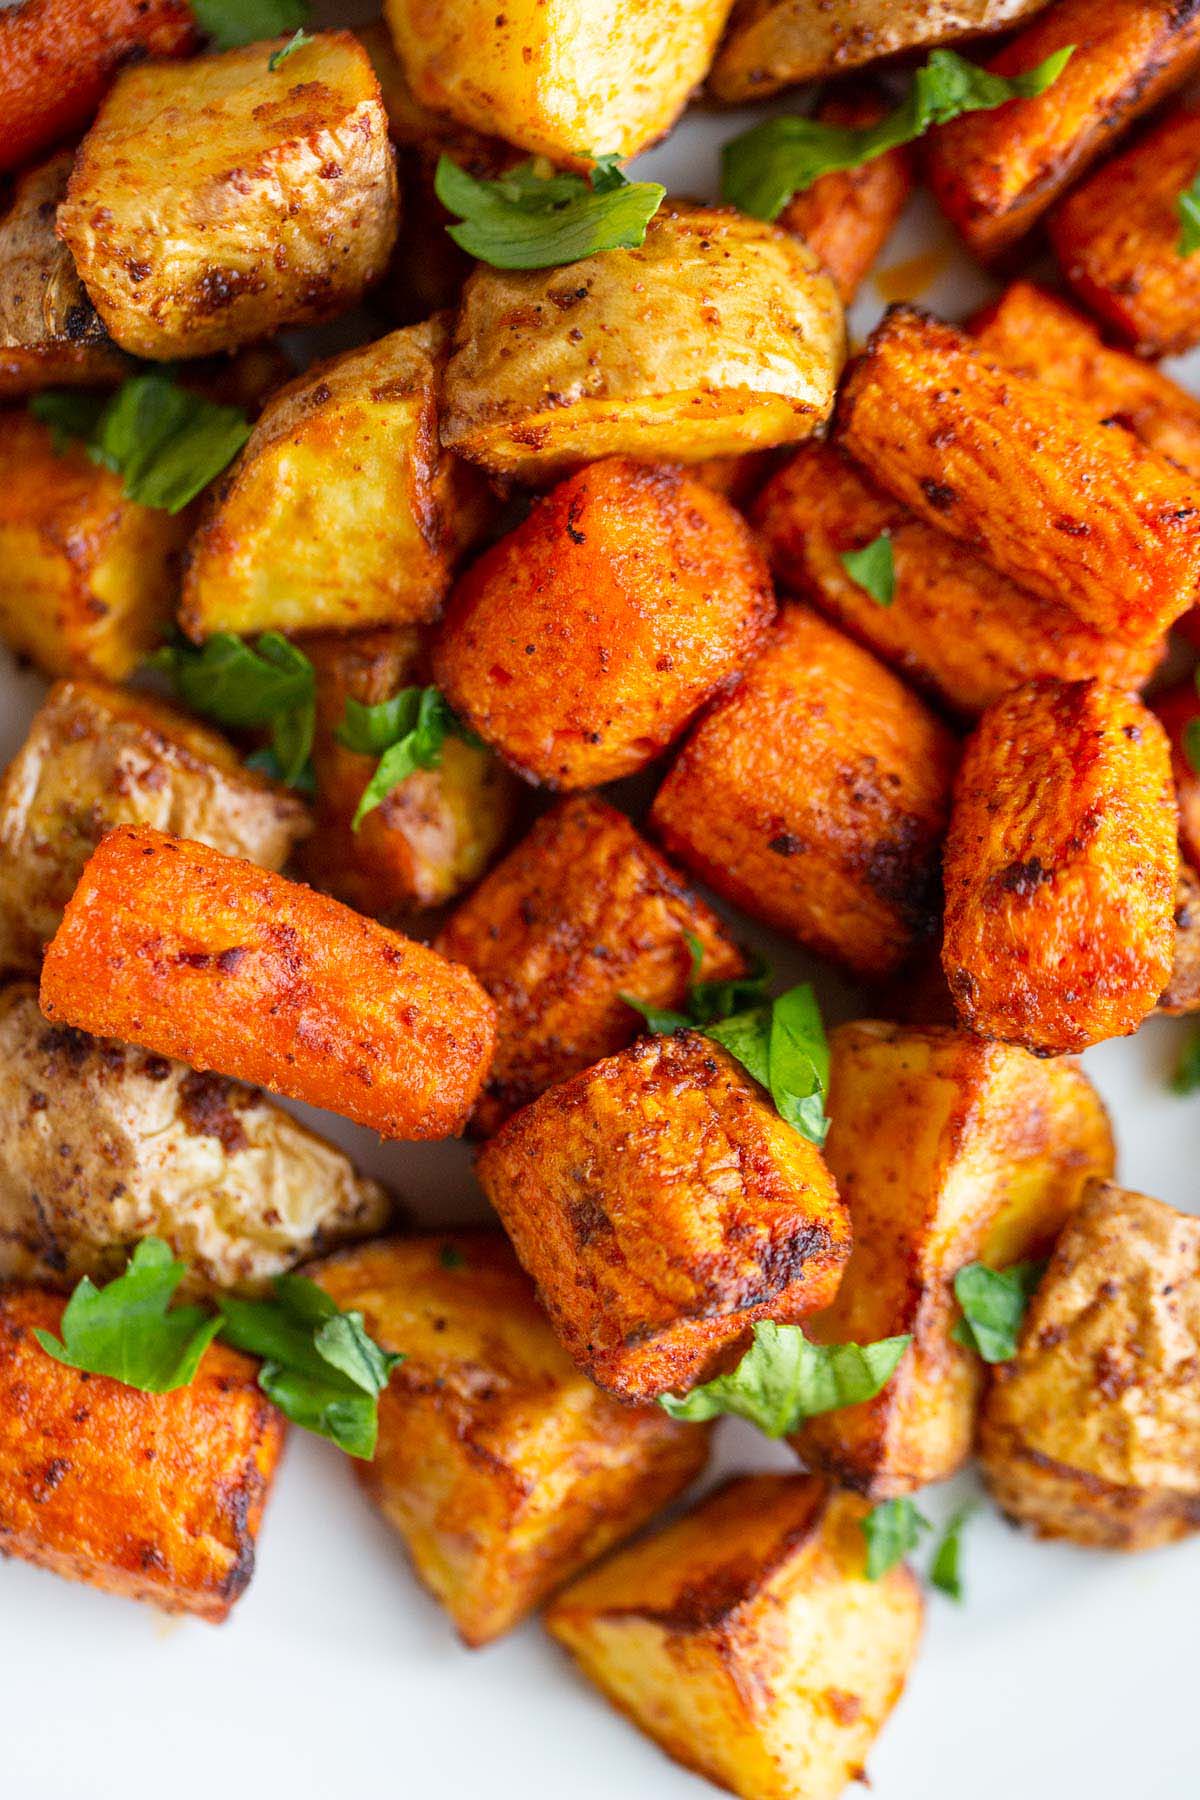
(97, 757)
(436, 833)
(155, 1497)
(503, 1469)
(1093, 1431)
(342, 510)
(50, 335)
(837, 845)
(1117, 240)
(1176, 708)
(947, 1150)
(663, 1207)
(217, 201)
(207, 958)
(746, 1640)
(718, 336)
(582, 76)
(1061, 868)
(101, 1144)
(995, 173)
(87, 577)
(581, 912)
(848, 216)
(582, 643)
(1182, 992)
(956, 627)
(1066, 507)
(772, 43)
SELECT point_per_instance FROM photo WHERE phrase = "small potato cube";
(1182, 992)
(956, 627)
(568, 80)
(437, 832)
(848, 216)
(1061, 868)
(718, 336)
(1117, 240)
(663, 1207)
(816, 797)
(207, 958)
(88, 578)
(1093, 1432)
(1024, 475)
(1177, 707)
(101, 1144)
(213, 202)
(154, 1497)
(49, 333)
(746, 1639)
(100, 756)
(341, 510)
(582, 911)
(503, 1469)
(582, 643)
(947, 1150)
(995, 172)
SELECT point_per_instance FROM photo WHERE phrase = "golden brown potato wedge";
(100, 756)
(1072, 510)
(816, 796)
(207, 958)
(570, 81)
(718, 336)
(154, 1497)
(947, 1150)
(1178, 707)
(582, 643)
(1061, 868)
(663, 1207)
(1182, 992)
(503, 1469)
(342, 510)
(581, 912)
(217, 201)
(102, 1144)
(746, 1640)
(995, 173)
(87, 577)
(1093, 1432)
(956, 627)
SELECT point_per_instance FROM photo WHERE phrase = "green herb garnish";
(944, 1570)
(406, 733)
(784, 1379)
(229, 23)
(1187, 210)
(994, 1302)
(873, 568)
(125, 1329)
(1186, 1076)
(534, 217)
(272, 685)
(892, 1529)
(280, 56)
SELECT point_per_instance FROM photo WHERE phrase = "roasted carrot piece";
(207, 958)
(847, 217)
(995, 173)
(1061, 868)
(1066, 507)
(1178, 707)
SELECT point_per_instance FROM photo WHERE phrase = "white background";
(1063, 1672)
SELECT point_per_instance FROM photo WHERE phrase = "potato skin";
(503, 1469)
(995, 173)
(100, 756)
(1117, 240)
(214, 202)
(847, 217)
(342, 510)
(1061, 868)
(208, 959)
(745, 1639)
(663, 1207)
(1182, 993)
(718, 336)
(437, 832)
(578, 77)
(837, 845)
(772, 43)
(101, 1144)
(956, 628)
(1093, 1432)
(1066, 507)
(582, 911)
(1175, 708)
(946, 1150)
(57, 57)
(582, 643)
(154, 1497)
(87, 577)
